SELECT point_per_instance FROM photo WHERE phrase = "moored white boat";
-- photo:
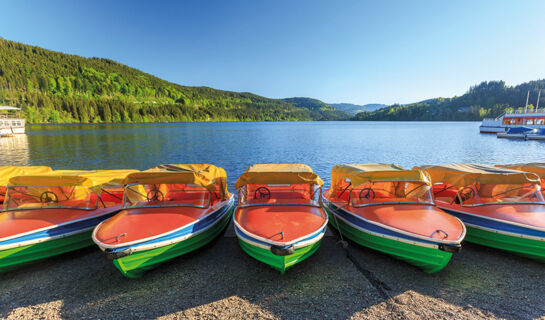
(11, 122)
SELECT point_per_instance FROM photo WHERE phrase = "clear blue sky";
(337, 51)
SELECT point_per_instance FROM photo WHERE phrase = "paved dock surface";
(221, 281)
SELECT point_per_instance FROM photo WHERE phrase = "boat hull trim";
(504, 235)
(429, 254)
(135, 259)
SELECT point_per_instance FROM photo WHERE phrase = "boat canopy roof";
(89, 179)
(535, 167)
(8, 172)
(278, 174)
(464, 174)
(205, 175)
(373, 172)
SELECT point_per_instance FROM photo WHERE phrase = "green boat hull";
(280, 263)
(529, 248)
(137, 263)
(14, 258)
(430, 260)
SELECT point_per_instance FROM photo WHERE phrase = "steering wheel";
(467, 193)
(49, 197)
(367, 193)
(263, 193)
(155, 195)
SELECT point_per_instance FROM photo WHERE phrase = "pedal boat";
(54, 213)
(168, 211)
(279, 220)
(389, 209)
(537, 168)
(8, 172)
(501, 208)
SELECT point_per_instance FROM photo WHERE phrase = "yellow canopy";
(8, 172)
(372, 172)
(278, 174)
(464, 174)
(205, 175)
(83, 178)
(535, 167)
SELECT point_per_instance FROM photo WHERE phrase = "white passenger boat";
(519, 118)
(515, 119)
(11, 122)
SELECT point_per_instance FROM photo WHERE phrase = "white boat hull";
(490, 129)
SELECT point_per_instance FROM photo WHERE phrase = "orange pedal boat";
(168, 211)
(535, 167)
(53, 213)
(279, 220)
(390, 209)
(502, 208)
(8, 172)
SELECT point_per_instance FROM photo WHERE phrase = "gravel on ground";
(221, 281)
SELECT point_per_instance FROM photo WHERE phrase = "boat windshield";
(2, 193)
(280, 194)
(33, 197)
(391, 192)
(483, 194)
(167, 195)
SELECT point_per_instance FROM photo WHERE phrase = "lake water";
(235, 145)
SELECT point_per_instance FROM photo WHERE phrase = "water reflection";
(14, 150)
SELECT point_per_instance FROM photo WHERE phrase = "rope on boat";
(343, 243)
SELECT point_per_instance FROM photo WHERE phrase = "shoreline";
(221, 280)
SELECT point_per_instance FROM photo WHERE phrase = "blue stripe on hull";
(204, 223)
(69, 228)
(476, 221)
(374, 228)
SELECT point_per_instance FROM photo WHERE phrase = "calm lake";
(235, 145)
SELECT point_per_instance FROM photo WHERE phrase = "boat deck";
(420, 219)
(14, 223)
(282, 223)
(135, 224)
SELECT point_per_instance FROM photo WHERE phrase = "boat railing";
(150, 203)
(9, 198)
(308, 204)
(10, 116)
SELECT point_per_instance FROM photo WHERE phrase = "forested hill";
(59, 88)
(326, 111)
(486, 100)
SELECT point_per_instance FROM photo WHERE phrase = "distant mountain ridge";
(327, 111)
(355, 108)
